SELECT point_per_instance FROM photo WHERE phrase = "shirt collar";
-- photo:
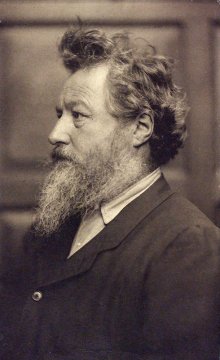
(111, 209)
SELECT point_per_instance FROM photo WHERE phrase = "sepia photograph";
(110, 180)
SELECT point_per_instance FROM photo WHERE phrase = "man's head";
(119, 117)
(138, 83)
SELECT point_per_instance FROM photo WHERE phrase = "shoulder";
(176, 227)
(181, 214)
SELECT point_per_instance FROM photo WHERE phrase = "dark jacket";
(146, 287)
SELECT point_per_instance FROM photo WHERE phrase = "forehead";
(88, 85)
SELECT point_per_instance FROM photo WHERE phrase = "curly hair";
(140, 81)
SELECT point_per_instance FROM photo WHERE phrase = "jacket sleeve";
(15, 277)
(181, 305)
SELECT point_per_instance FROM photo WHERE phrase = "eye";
(76, 114)
(79, 119)
(59, 113)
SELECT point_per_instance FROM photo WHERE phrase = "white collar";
(111, 209)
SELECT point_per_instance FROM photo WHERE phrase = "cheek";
(104, 127)
(92, 136)
(102, 134)
(82, 146)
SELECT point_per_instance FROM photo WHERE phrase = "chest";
(101, 307)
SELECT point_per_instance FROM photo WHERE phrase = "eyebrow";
(73, 103)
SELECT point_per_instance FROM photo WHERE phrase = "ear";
(143, 130)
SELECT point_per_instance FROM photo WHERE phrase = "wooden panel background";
(216, 75)
(31, 77)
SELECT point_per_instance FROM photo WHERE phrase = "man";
(117, 266)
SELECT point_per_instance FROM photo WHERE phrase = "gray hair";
(140, 81)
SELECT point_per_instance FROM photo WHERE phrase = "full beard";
(76, 187)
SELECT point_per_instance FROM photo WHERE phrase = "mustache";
(57, 154)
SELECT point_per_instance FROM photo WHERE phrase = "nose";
(59, 133)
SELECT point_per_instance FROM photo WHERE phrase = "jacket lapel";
(54, 265)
